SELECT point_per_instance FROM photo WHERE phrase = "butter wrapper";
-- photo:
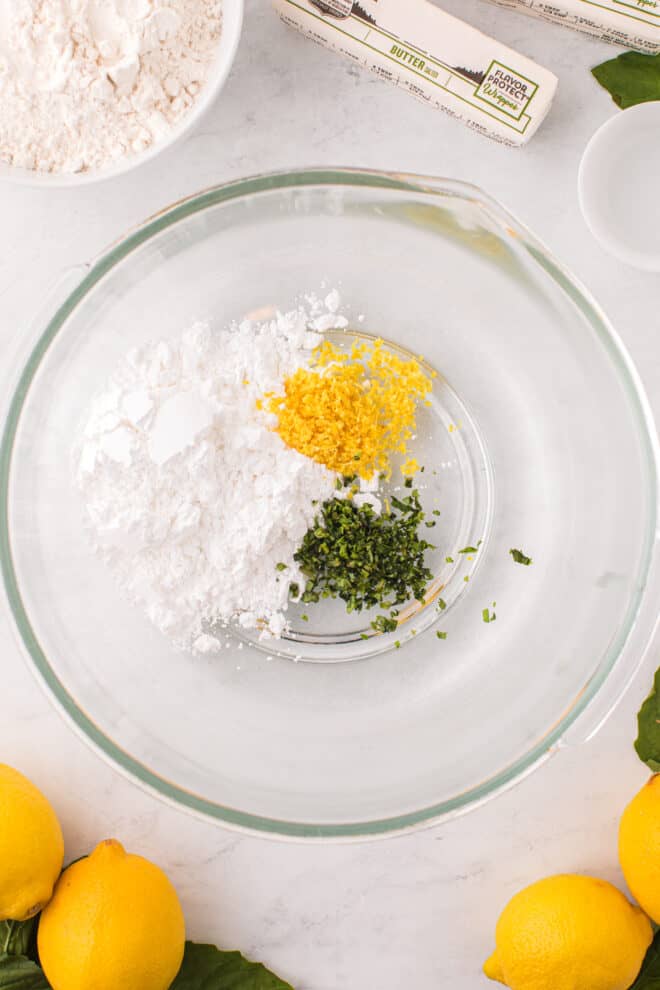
(633, 23)
(436, 57)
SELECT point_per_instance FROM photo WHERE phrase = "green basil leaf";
(649, 975)
(19, 973)
(206, 968)
(630, 78)
(647, 743)
(16, 937)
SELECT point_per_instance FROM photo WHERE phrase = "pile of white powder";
(191, 497)
(84, 83)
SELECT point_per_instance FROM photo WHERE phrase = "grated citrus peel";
(352, 410)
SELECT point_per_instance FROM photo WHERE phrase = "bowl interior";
(456, 493)
(412, 733)
(232, 22)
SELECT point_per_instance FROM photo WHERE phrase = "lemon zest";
(410, 467)
(351, 411)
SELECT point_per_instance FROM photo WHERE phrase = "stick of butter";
(436, 57)
(633, 23)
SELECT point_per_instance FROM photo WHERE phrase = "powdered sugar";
(86, 82)
(192, 499)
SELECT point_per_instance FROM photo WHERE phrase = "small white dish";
(232, 24)
(617, 186)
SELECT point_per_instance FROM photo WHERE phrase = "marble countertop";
(416, 911)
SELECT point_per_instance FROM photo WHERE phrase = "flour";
(191, 497)
(84, 83)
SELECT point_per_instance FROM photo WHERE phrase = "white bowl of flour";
(92, 89)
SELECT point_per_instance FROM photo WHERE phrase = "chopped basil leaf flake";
(365, 559)
(441, 635)
(520, 557)
(383, 624)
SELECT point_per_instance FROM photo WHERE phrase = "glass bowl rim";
(84, 725)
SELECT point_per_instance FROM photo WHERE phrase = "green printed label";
(507, 90)
(583, 15)
(499, 95)
(649, 6)
(408, 58)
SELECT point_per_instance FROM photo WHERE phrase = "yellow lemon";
(639, 847)
(31, 847)
(114, 922)
(569, 933)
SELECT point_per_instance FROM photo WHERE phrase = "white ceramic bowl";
(616, 186)
(232, 23)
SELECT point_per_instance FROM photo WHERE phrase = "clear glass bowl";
(566, 440)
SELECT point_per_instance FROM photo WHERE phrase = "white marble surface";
(416, 911)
